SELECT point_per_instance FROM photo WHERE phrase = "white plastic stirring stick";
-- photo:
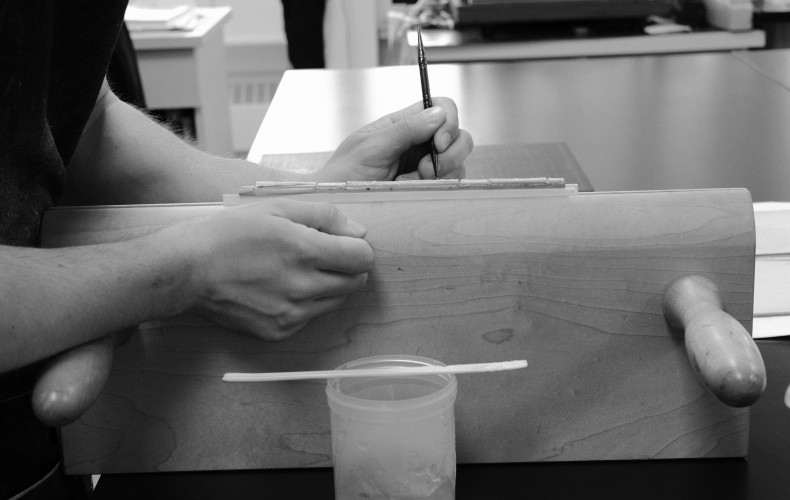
(387, 371)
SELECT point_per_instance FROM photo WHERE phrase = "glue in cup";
(393, 437)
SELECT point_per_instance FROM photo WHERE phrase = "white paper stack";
(181, 17)
(772, 270)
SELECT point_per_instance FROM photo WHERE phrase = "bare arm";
(300, 262)
(124, 157)
(55, 299)
(263, 269)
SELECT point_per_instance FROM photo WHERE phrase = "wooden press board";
(571, 283)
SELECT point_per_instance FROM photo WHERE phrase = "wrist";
(170, 282)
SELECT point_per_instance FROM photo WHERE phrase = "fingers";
(414, 125)
(275, 265)
(448, 130)
(446, 169)
(414, 129)
(320, 216)
(340, 254)
(450, 164)
(331, 241)
(439, 124)
(412, 176)
(394, 145)
(339, 285)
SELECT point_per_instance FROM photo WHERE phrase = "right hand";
(267, 269)
(397, 142)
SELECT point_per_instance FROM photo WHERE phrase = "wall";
(257, 54)
(256, 59)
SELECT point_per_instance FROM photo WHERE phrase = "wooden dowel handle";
(72, 380)
(721, 351)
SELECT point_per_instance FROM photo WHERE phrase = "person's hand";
(267, 269)
(264, 269)
(398, 141)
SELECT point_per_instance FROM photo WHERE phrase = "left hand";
(377, 150)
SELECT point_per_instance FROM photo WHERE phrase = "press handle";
(721, 351)
(72, 380)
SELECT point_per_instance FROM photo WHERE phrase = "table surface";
(711, 120)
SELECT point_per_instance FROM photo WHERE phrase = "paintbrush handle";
(397, 371)
(427, 102)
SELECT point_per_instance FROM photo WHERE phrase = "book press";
(632, 308)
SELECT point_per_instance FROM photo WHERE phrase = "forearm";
(125, 157)
(53, 299)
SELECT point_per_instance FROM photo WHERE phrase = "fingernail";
(356, 227)
(433, 116)
(410, 176)
(442, 141)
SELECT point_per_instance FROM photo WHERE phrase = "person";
(303, 22)
(264, 269)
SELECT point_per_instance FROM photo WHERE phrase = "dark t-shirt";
(53, 57)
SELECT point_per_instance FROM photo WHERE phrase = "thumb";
(412, 130)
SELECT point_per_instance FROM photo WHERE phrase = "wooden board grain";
(571, 283)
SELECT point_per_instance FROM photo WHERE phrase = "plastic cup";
(393, 437)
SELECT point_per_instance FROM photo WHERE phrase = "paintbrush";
(426, 95)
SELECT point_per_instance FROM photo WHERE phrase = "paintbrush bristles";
(420, 47)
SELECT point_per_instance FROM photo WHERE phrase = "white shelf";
(455, 46)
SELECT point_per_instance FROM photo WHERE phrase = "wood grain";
(573, 284)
